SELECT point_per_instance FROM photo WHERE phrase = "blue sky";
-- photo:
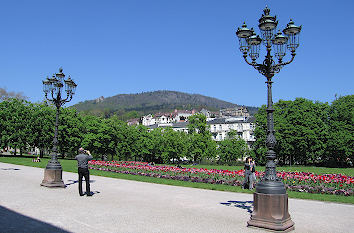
(132, 46)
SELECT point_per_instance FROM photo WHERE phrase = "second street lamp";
(53, 89)
(270, 198)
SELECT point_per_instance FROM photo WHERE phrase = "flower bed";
(295, 181)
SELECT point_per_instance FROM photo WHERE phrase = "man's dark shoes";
(81, 194)
(89, 194)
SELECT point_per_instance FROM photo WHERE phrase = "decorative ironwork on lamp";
(53, 89)
(270, 191)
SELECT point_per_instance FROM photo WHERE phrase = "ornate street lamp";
(270, 199)
(54, 88)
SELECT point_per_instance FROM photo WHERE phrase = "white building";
(182, 115)
(219, 128)
(176, 126)
(239, 111)
(164, 118)
(244, 127)
(167, 118)
(148, 120)
(237, 119)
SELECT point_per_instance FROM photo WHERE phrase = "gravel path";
(131, 206)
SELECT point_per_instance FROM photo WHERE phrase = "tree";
(16, 120)
(157, 145)
(5, 95)
(232, 149)
(90, 139)
(197, 123)
(71, 131)
(174, 145)
(341, 133)
(127, 137)
(117, 129)
(42, 127)
(301, 131)
(141, 146)
(201, 145)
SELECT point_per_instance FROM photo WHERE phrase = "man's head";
(81, 150)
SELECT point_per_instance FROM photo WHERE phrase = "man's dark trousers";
(84, 172)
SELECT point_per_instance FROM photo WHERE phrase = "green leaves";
(197, 124)
(231, 150)
(309, 132)
(16, 119)
(341, 133)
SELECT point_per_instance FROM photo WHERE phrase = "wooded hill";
(135, 105)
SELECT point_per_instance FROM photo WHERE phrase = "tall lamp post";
(53, 89)
(270, 199)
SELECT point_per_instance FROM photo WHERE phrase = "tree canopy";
(307, 132)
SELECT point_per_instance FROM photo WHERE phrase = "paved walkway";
(130, 206)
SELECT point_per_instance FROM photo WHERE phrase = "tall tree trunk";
(15, 152)
(290, 160)
(41, 152)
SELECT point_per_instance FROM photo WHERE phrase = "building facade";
(237, 119)
(244, 126)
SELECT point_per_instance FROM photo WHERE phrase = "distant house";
(164, 118)
(148, 120)
(239, 111)
(167, 118)
(180, 126)
(176, 126)
(134, 121)
(206, 113)
(182, 115)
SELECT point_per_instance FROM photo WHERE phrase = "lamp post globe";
(53, 89)
(270, 198)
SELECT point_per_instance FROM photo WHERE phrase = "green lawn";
(71, 166)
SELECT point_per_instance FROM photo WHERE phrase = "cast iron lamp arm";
(281, 63)
(260, 67)
(249, 63)
(67, 99)
(52, 93)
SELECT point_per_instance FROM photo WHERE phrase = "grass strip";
(71, 166)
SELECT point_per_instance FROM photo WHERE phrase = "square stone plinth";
(53, 178)
(270, 211)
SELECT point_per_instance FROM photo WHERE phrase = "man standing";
(82, 163)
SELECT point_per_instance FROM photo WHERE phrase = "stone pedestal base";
(271, 212)
(53, 178)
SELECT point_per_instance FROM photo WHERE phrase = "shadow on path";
(13, 222)
(246, 205)
(76, 181)
(93, 193)
(12, 169)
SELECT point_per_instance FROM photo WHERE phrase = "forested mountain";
(134, 105)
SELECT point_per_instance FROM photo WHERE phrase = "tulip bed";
(294, 181)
